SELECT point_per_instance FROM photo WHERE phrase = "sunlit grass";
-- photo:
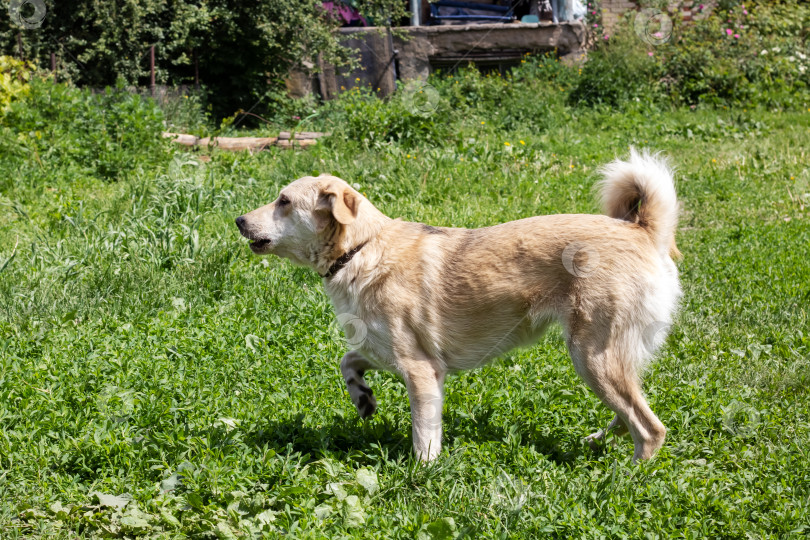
(145, 352)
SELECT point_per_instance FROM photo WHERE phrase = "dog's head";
(309, 216)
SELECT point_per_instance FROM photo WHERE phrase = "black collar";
(342, 261)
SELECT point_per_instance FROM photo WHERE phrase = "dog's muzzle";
(257, 245)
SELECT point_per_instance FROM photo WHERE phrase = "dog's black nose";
(240, 222)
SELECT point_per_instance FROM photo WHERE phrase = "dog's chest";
(364, 328)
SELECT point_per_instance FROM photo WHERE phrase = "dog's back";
(468, 295)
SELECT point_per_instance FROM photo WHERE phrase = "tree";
(241, 50)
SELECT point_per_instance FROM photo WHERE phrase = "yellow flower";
(714, 160)
(521, 142)
(507, 144)
(792, 177)
(482, 123)
(408, 156)
(357, 79)
(572, 166)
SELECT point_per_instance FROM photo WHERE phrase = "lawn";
(158, 380)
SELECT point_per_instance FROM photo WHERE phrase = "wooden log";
(235, 144)
(182, 138)
(301, 135)
(296, 143)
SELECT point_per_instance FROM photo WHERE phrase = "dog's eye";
(283, 200)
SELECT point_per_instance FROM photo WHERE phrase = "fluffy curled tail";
(641, 190)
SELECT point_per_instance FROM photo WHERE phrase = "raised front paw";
(363, 399)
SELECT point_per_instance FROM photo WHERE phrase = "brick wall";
(613, 10)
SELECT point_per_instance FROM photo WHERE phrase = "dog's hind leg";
(612, 378)
(353, 367)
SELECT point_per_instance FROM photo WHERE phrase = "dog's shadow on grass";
(347, 436)
(335, 435)
(558, 448)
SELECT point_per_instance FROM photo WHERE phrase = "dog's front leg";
(353, 366)
(426, 394)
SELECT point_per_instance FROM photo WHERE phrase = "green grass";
(145, 352)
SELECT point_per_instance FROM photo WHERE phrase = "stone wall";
(460, 45)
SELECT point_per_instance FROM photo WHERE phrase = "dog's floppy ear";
(339, 201)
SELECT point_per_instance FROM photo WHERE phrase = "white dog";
(429, 301)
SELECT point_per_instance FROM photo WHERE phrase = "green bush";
(749, 54)
(14, 77)
(617, 71)
(524, 98)
(741, 55)
(415, 115)
(104, 134)
(529, 98)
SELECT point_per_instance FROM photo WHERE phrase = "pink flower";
(596, 26)
(700, 7)
(606, 36)
(729, 31)
(650, 53)
(736, 36)
(745, 12)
